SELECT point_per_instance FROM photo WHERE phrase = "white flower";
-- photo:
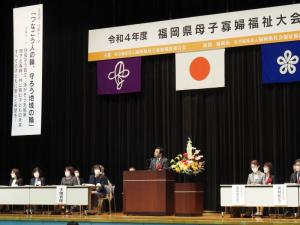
(287, 62)
(199, 157)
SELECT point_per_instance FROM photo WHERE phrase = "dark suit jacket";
(19, 182)
(101, 180)
(163, 164)
(293, 178)
(42, 180)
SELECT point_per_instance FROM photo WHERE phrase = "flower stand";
(189, 199)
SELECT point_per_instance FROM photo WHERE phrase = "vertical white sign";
(61, 195)
(27, 82)
(238, 195)
(279, 195)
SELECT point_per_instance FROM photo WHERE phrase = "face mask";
(36, 175)
(266, 170)
(67, 173)
(254, 170)
(13, 176)
(77, 174)
(97, 172)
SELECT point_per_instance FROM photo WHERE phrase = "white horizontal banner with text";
(241, 28)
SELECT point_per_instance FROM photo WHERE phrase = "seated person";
(16, 179)
(269, 178)
(99, 179)
(69, 179)
(78, 178)
(256, 178)
(295, 176)
(159, 162)
(37, 179)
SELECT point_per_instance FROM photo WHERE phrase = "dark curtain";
(232, 125)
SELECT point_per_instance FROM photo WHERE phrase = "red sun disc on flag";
(199, 68)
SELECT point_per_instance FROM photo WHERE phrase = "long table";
(45, 195)
(260, 195)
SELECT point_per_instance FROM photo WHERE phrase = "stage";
(119, 218)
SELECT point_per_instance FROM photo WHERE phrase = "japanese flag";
(199, 70)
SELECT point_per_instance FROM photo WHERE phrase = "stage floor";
(119, 218)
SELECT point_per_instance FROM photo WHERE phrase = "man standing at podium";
(159, 162)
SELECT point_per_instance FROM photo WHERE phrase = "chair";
(110, 196)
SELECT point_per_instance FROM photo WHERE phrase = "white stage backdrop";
(27, 86)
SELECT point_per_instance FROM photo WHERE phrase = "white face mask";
(67, 173)
(36, 175)
(76, 174)
(13, 175)
(97, 172)
(266, 170)
(254, 169)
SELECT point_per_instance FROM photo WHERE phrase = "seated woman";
(37, 179)
(80, 180)
(69, 179)
(269, 179)
(256, 178)
(100, 180)
(16, 179)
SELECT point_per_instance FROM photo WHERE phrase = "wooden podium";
(148, 192)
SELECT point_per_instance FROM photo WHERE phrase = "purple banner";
(119, 76)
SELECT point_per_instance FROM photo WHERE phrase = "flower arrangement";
(190, 162)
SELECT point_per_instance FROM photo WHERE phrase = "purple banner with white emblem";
(119, 76)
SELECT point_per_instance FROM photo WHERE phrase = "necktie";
(158, 165)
